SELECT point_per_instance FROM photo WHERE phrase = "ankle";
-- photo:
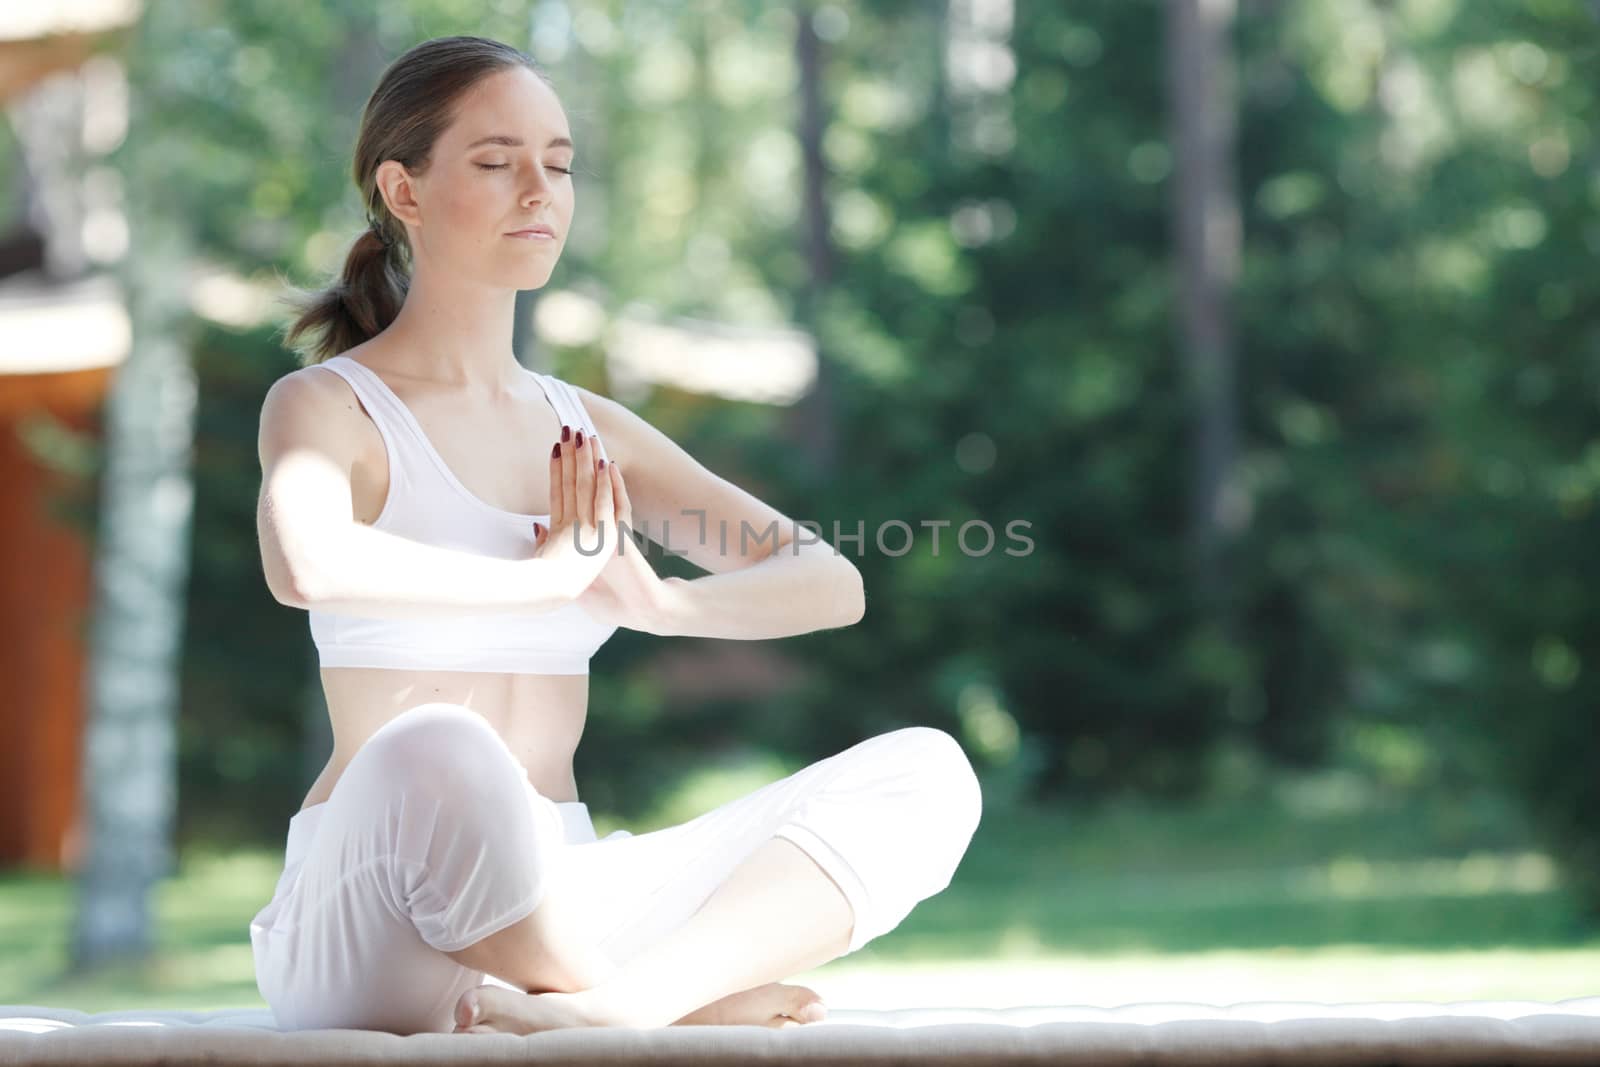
(601, 1007)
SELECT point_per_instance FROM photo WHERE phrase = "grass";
(1316, 891)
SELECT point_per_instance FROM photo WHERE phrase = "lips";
(534, 232)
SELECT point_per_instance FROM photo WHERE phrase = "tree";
(140, 571)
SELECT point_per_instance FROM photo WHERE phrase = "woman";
(442, 872)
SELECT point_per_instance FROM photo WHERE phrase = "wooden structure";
(63, 331)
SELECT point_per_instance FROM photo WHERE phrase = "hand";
(627, 592)
(583, 533)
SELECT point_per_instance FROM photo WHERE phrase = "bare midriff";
(539, 716)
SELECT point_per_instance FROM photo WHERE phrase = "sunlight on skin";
(776, 913)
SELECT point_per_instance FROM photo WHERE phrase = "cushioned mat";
(1301, 1033)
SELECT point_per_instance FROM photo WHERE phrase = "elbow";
(310, 587)
(316, 571)
(291, 593)
(851, 601)
(296, 586)
(299, 596)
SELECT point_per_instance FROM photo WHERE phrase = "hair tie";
(378, 230)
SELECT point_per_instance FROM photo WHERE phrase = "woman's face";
(502, 165)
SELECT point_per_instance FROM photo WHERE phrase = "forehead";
(514, 102)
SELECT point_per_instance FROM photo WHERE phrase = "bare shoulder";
(312, 406)
(602, 408)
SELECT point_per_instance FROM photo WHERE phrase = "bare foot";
(772, 1005)
(494, 1010)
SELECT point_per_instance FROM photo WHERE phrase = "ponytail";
(358, 306)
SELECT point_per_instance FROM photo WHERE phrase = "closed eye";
(502, 166)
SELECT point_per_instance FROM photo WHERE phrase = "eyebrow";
(517, 142)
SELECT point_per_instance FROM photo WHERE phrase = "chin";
(522, 275)
(530, 279)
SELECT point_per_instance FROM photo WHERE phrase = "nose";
(539, 189)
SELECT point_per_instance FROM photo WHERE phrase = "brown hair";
(413, 103)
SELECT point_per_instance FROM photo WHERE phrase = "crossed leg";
(822, 861)
(431, 869)
(433, 865)
(710, 963)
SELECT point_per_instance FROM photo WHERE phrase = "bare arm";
(795, 590)
(316, 555)
(763, 584)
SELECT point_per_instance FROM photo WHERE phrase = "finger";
(605, 502)
(584, 462)
(619, 494)
(569, 480)
(539, 535)
(558, 499)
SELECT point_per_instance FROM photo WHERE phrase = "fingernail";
(555, 453)
(566, 432)
(580, 439)
(602, 464)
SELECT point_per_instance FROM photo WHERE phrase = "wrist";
(672, 613)
(558, 582)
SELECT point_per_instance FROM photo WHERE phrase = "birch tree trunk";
(140, 575)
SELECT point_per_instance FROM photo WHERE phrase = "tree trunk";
(814, 418)
(141, 569)
(1200, 85)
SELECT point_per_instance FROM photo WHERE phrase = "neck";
(455, 331)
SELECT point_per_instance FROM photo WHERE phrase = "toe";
(467, 1010)
(804, 1004)
(492, 1005)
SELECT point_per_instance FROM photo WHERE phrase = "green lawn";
(1293, 897)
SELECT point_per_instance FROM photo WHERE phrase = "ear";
(399, 191)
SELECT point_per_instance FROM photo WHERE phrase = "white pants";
(433, 839)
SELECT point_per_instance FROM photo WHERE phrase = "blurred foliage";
(1419, 366)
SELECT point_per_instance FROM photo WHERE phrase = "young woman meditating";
(450, 522)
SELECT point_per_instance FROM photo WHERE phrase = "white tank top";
(427, 503)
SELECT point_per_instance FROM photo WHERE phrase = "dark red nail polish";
(580, 439)
(555, 453)
(566, 432)
(602, 464)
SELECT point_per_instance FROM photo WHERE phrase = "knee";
(441, 747)
(951, 785)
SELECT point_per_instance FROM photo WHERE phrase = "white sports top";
(427, 503)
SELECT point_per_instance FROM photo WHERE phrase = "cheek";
(464, 205)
